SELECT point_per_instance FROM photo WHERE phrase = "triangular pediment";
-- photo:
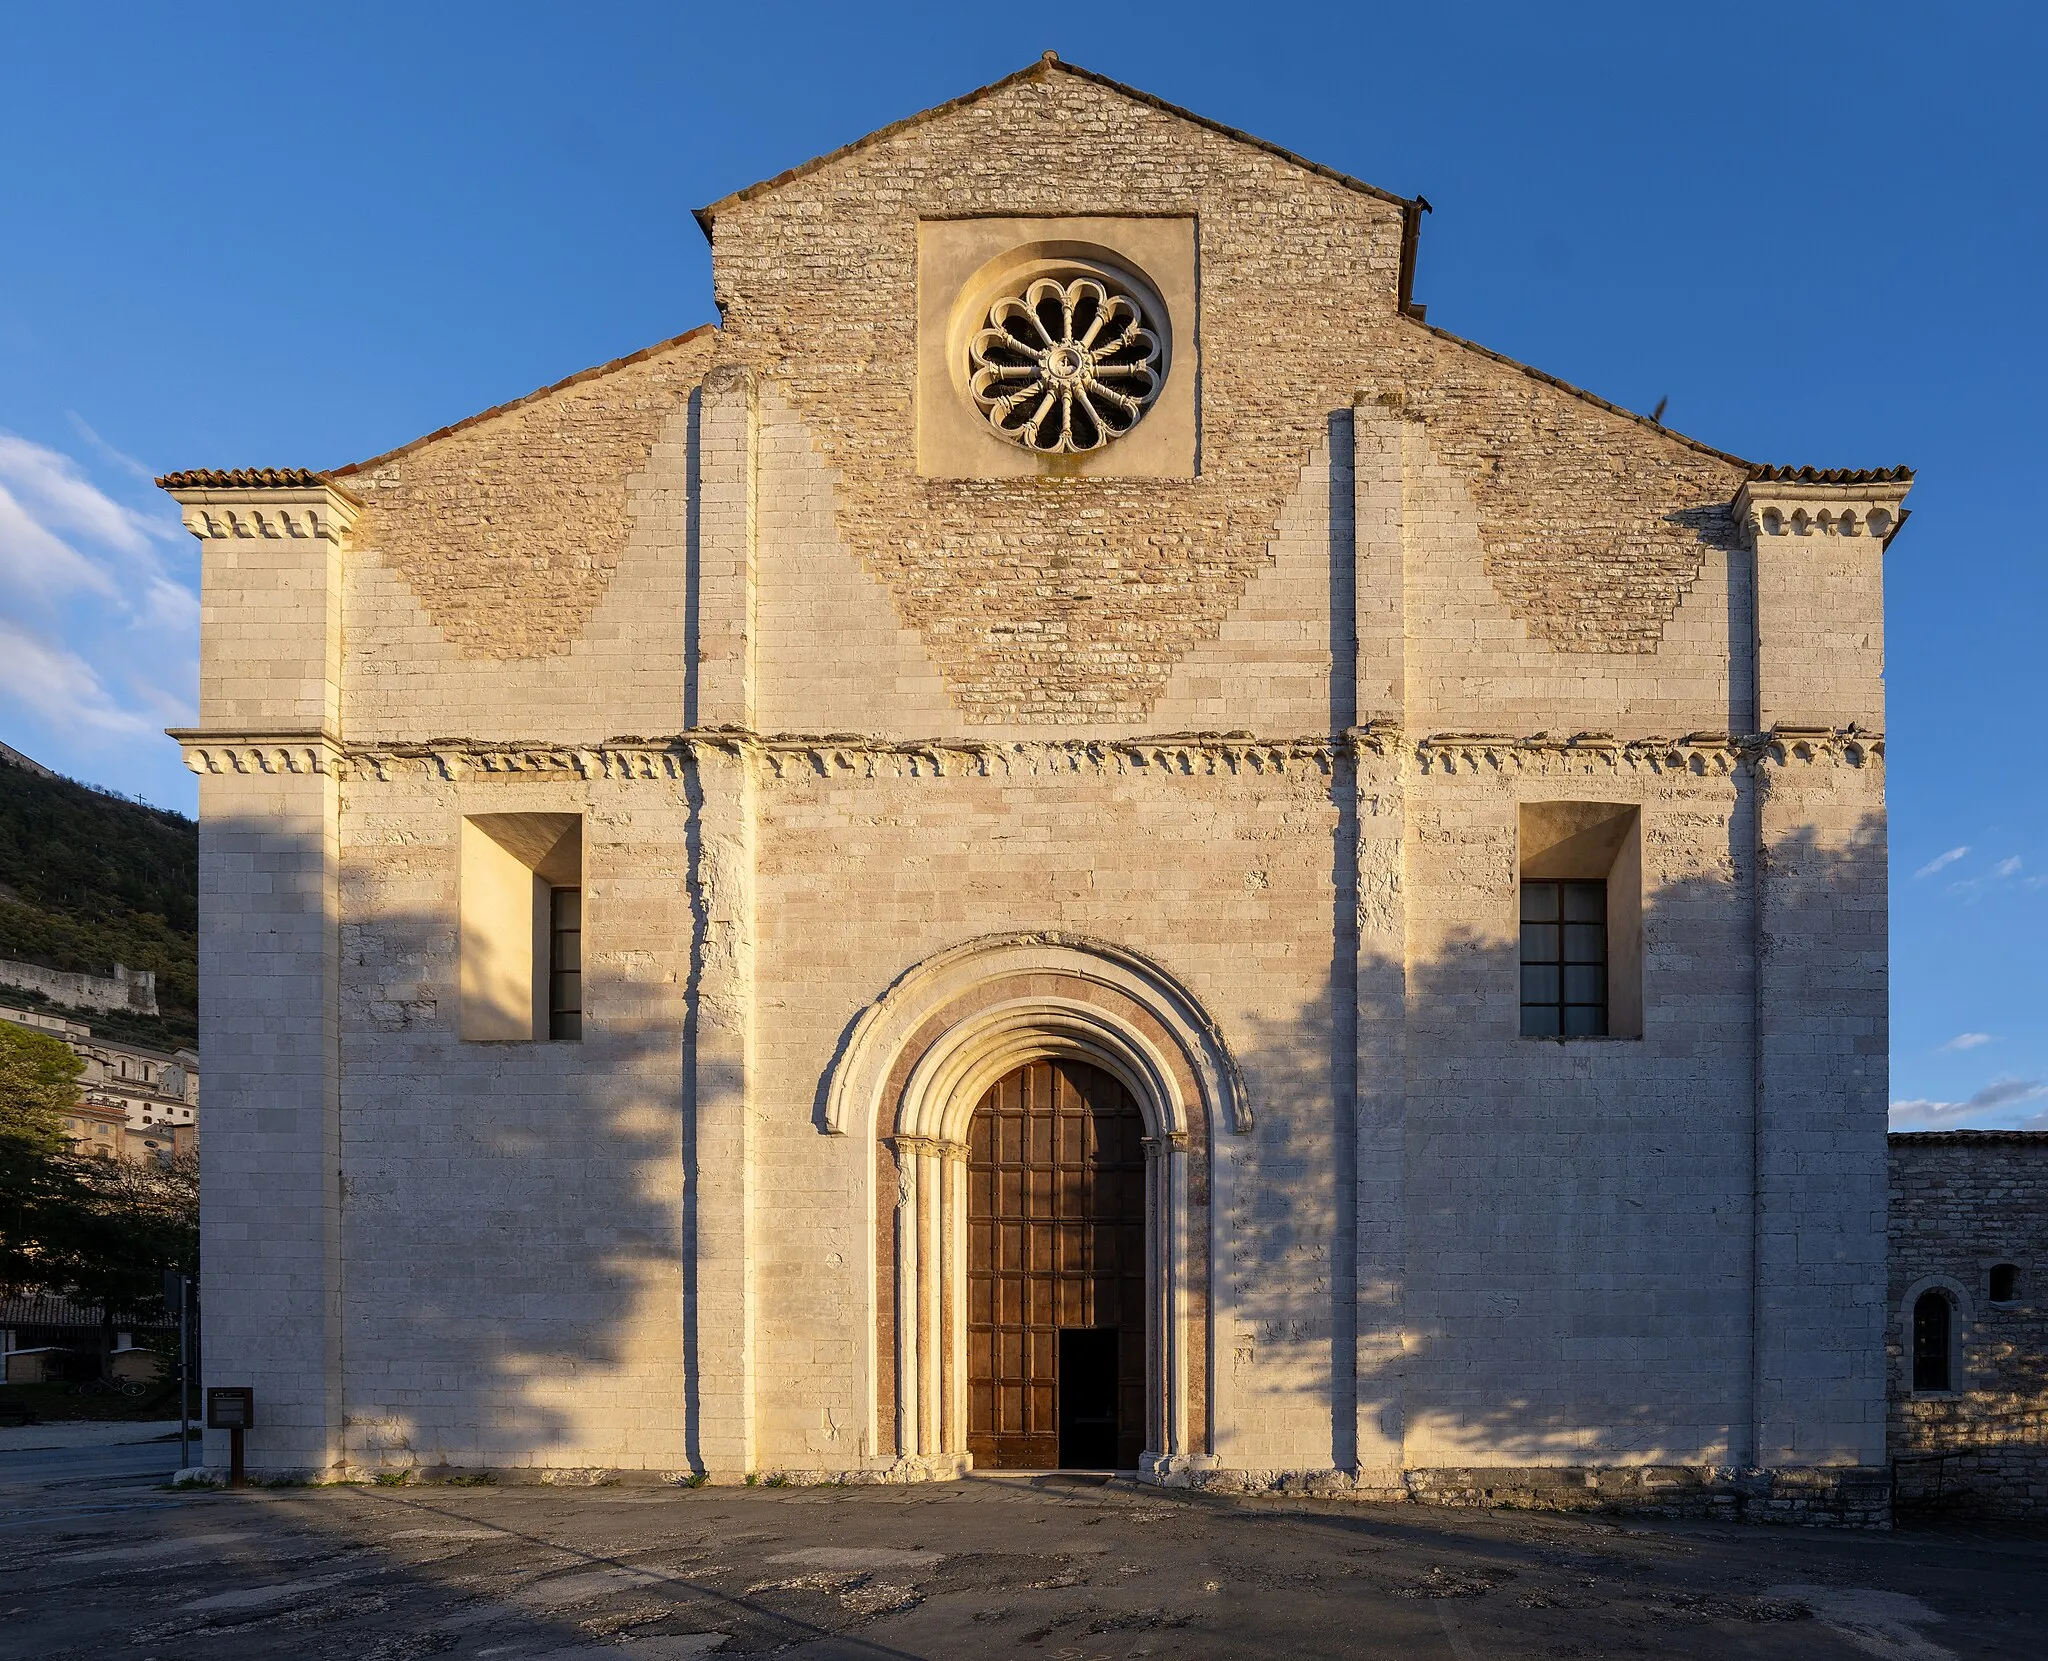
(1045, 67)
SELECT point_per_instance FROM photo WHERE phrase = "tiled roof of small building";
(242, 478)
(1767, 474)
(1935, 1137)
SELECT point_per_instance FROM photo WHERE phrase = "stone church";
(1072, 840)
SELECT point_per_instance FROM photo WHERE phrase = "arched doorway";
(1056, 1273)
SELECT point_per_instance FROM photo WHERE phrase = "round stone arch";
(915, 1065)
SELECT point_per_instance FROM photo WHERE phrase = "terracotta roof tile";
(640, 356)
(1766, 474)
(1935, 1138)
(242, 478)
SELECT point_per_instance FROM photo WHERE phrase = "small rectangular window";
(1564, 959)
(565, 963)
(521, 946)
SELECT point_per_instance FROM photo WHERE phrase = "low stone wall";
(1849, 1496)
(133, 990)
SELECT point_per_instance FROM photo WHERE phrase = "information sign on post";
(232, 1408)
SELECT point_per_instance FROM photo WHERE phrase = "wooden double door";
(1056, 1272)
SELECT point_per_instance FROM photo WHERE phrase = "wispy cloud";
(1992, 1108)
(60, 686)
(1967, 1040)
(1941, 862)
(2007, 867)
(120, 458)
(62, 500)
(99, 620)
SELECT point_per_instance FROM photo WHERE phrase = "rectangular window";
(565, 963)
(1564, 959)
(521, 926)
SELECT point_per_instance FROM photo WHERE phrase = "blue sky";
(276, 235)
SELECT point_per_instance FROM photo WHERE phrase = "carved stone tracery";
(1065, 367)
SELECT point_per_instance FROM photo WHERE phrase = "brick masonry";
(1245, 751)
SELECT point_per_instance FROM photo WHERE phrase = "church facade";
(1072, 840)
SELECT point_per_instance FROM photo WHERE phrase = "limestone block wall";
(270, 1025)
(1577, 1214)
(1224, 877)
(526, 574)
(1963, 1202)
(513, 1230)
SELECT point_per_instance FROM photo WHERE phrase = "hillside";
(88, 880)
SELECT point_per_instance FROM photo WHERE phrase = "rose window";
(1065, 366)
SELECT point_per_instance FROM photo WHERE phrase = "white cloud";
(127, 463)
(2007, 867)
(99, 623)
(35, 560)
(1995, 1101)
(61, 498)
(60, 686)
(1940, 862)
(1967, 1040)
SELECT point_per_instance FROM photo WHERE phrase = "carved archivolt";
(1065, 366)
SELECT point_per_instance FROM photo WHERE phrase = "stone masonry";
(1965, 1204)
(1208, 774)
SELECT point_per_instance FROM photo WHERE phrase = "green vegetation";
(99, 1231)
(88, 880)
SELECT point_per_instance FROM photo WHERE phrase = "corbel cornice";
(1868, 505)
(1699, 754)
(279, 505)
(253, 753)
(796, 757)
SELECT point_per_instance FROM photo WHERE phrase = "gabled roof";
(592, 374)
(1045, 67)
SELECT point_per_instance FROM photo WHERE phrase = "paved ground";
(97, 1563)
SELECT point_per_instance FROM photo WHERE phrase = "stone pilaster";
(720, 1347)
(1820, 540)
(1381, 1094)
(268, 754)
(1821, 1087)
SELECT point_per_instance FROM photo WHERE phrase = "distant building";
(132, 991)
(1966, 1322)
(133, 1102)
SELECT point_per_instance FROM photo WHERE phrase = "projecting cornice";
(794, 757)
(1807, 501)
(279, 503)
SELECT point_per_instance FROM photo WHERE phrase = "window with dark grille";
(1931, 1323)
(2005, 1283)
(565, 963)
(1564, 959)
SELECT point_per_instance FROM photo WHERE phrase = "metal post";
(184, 1375)
(236, 1477)
(178, 1287)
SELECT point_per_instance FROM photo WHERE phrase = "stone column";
(720, 1345)
(1166, 1445)
(1821, 1013)
(267, 751)
(1379, 771)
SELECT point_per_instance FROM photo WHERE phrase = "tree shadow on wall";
(512, 1215)
(1542, 1252)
